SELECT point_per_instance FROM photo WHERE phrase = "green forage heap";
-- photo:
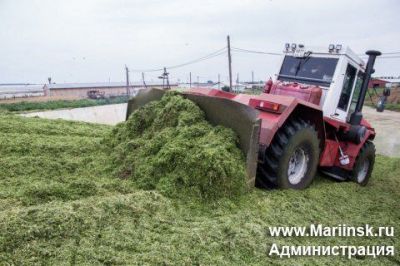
(168, 145)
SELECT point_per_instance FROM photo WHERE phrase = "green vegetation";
(59, 104)
(169, 146)
(60, 205)
(255, 90)
(393, 101)
(393, 107)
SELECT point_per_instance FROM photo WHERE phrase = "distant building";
(82, 90)
(377, 83)
(391, 82)
(70, 91)
(12, 91)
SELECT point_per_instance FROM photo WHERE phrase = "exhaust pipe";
(356, 116)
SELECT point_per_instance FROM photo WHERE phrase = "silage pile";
(169, 146)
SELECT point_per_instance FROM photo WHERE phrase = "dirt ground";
(386, 124)
(387, 127)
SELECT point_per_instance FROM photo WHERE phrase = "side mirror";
(386, 92)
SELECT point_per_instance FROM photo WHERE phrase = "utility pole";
(190, 79)
(219, 81)
(229, 62)
(252, 76)
(237, 81)
(198, 81)
(127, 80)
(144, 82)
(166, 75)
(163, 80)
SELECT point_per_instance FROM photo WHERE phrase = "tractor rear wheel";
(364, 164)
(292, 158)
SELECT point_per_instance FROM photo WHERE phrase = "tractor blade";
(241, 118)
(143, 97)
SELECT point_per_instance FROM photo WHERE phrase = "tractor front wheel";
(291, 160)
(364, 164)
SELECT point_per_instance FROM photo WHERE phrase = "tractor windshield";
(309, 70)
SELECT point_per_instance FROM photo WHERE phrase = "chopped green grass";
(168, 145)
(60, 204)
(59, 104)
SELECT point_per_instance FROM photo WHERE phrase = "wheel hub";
(298, 165)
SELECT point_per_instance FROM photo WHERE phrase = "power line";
(279, 54)
(391, 56)
(386, 55)
(391, 53)
(206, 57)
(254, 51)
(274, 53)
(196, 61)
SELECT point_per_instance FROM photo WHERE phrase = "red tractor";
(308, 118)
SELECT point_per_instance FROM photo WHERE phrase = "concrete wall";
(105, 114)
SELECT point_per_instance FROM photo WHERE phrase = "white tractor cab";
(335, 69)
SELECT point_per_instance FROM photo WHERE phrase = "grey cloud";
(46, 37)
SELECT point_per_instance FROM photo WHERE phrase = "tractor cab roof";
(331, 51)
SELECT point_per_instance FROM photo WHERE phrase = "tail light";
(265, 105)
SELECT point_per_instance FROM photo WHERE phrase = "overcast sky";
(92, 40)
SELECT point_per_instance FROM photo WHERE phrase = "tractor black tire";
(295, 139)
(364, 164)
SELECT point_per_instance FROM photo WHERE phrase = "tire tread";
(274, 152)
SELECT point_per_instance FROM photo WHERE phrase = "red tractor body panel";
(329, 154)
(307, 93)
(275, 109)
(349, 148)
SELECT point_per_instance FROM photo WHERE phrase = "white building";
(10, 91)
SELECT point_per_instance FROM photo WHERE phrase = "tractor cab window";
(308, 70)
(347, 87)
(356, 93)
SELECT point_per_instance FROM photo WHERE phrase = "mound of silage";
(169, 146)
